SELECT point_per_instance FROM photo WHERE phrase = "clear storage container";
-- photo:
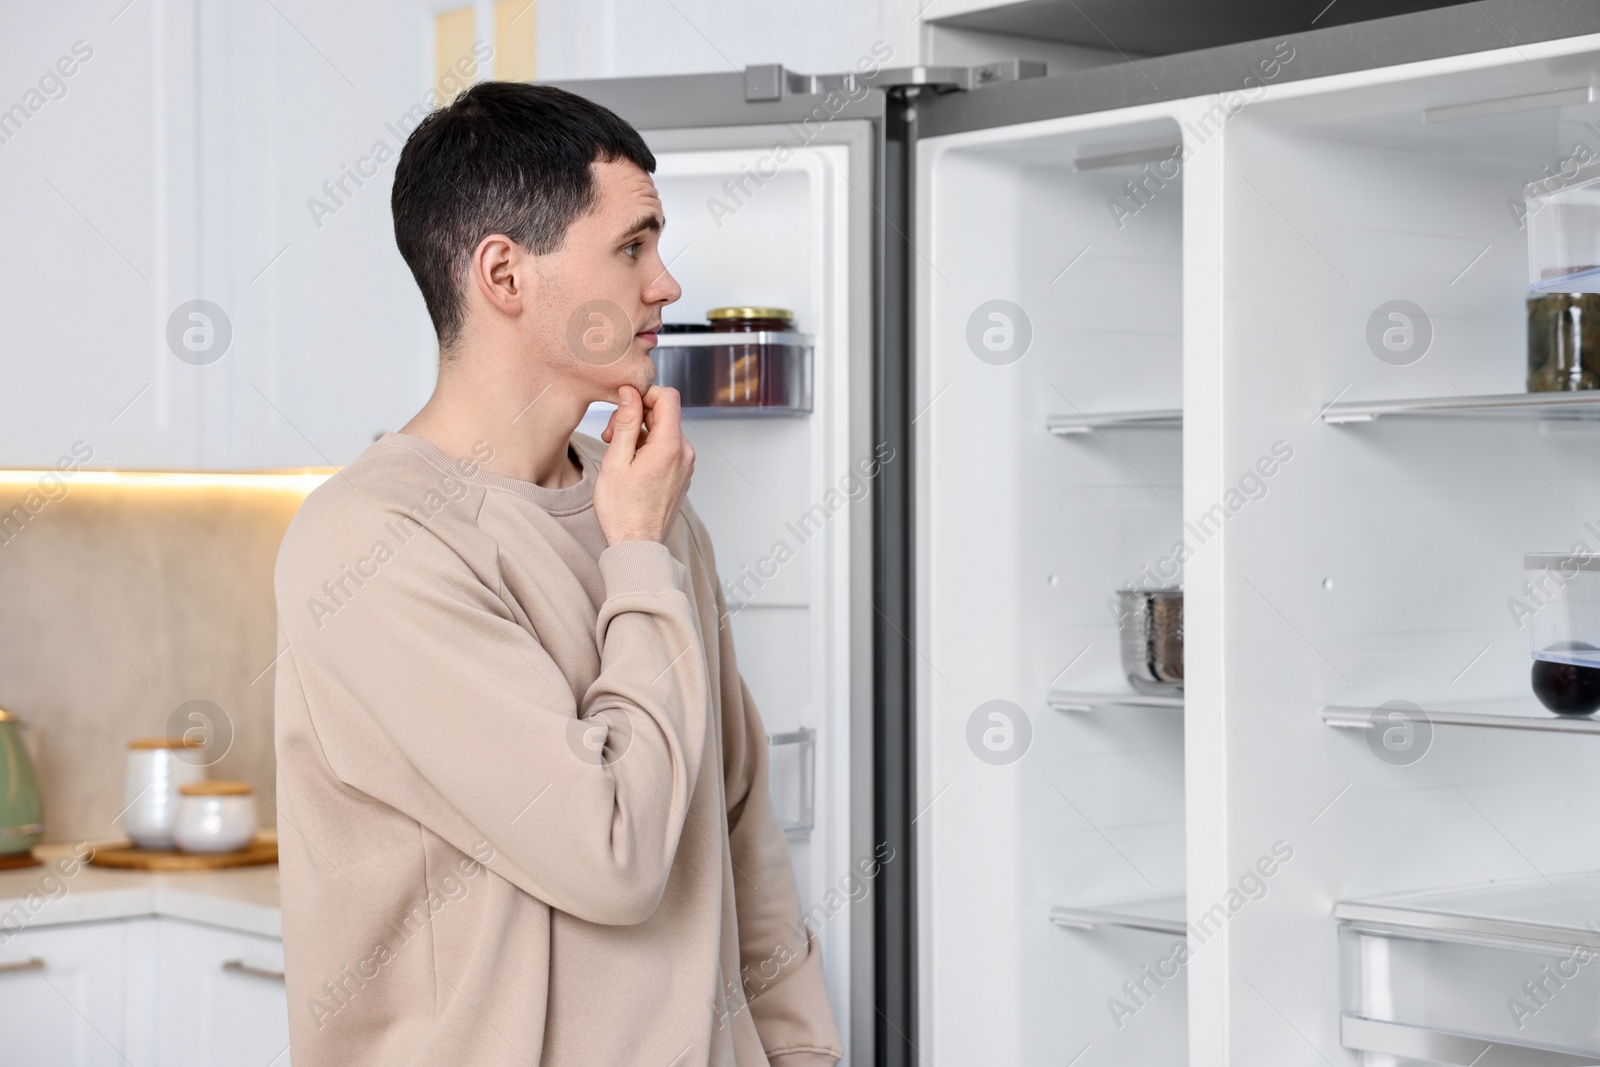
(1563, 218)
(1507, 973)
(1564, 593)
(758, 373)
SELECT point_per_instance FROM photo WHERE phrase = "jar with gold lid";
(755, 373)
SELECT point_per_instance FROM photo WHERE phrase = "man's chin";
(643, 373)
(637, 370)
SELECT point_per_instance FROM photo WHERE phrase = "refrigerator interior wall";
(773, 492)
(1382, 560)
(1023, 538)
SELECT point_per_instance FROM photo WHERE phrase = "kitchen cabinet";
(205, 277)
(100, 240)
(143, 991)
(332, 345)
(69, 994)
(221, 997)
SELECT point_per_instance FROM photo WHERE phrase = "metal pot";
(1151, 621)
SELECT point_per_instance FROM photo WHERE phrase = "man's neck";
(527, 424)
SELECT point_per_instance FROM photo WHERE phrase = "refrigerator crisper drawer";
(1513, 982)
(735, 374)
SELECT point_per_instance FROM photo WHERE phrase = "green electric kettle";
(21, 811)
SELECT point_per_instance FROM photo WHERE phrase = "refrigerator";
(1249, 323)
(771, 206)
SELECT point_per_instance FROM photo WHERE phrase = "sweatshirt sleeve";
(780, 957)
(586, 798)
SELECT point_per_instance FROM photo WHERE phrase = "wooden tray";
(262, 850)
(18, 860)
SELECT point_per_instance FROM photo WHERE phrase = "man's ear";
(501, 273)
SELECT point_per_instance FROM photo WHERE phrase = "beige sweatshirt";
(522, 789)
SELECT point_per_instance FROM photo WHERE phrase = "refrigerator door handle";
(804, 743)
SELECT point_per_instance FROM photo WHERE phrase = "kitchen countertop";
(241, 898)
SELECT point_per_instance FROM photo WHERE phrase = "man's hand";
(646, 470)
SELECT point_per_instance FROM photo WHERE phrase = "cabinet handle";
(32, 964)
(241, 967)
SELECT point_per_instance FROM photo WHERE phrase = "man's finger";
(626, 423)
(664, 405)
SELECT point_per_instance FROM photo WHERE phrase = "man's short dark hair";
(505, 157)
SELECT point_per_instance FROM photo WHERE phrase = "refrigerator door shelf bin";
(1563, 224)
(1063, 700)
(1507, 971)
(1079, 424)
(1566, 407)
(792, 771)
(737, 374)
(1512, 713)
(1158, 915)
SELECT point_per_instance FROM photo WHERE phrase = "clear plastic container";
(757, 373)
(1474, 987)
(1432, 977)
(1563, 218)
(1564, 593)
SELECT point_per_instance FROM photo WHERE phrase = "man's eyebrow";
(653, 223)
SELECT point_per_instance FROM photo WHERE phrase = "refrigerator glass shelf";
(1159, 915)
(1575, 407)
(1430, 1045)
(1064, 700)
(1077, 425)
(1509, 713)
(1563, 910)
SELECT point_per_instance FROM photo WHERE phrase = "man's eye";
(633, 249)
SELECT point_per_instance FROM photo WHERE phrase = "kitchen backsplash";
(118, 605)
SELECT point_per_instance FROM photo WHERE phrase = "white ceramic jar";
(215, 817)
(156, 770)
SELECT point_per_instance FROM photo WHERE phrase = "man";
(522, 789)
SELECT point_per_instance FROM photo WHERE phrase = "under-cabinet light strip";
(276, 481)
